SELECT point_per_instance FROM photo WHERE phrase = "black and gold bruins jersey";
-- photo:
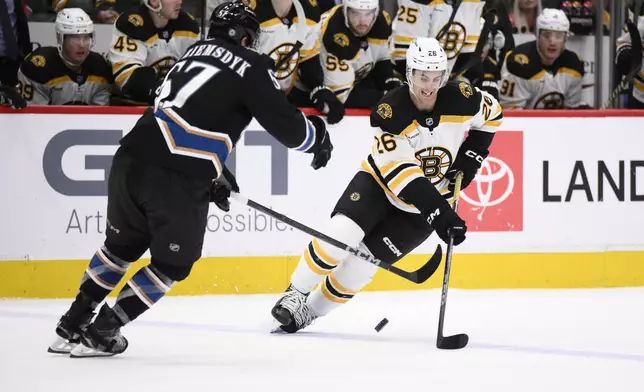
(141, 54)
(279, 36)
(528, 84)
(44, 79)
(411, 144)
(426, 18)
(347, 58)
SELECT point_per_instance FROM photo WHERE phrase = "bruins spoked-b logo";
(286, 69)
(453, 41)
(355, 196)
(434, 162)
(163, 66)
(553, 100)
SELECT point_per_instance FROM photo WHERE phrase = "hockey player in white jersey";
(543, 74)
(280, 24)
(627, 50)
(68, 73)
(454, 23)
(424, 133)
(355, 53)
(146, 43)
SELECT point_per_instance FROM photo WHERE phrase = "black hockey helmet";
(234, 21)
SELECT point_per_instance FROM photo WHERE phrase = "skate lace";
(295, 303)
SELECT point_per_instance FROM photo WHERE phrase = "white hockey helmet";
(72, 21)
(552, 19)
(360, 5)
(426, 54)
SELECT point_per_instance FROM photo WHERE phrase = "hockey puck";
(383, 323)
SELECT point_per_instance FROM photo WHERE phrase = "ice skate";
(102, 338)
(291, 311)
(71, 325)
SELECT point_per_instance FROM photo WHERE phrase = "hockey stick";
(418, 276)
(300, 35)
(453, 342)
(636, 66)
(446, 27)
(476, 55)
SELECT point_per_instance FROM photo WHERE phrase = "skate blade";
(61, 346)
(276, 327)
(82, 351)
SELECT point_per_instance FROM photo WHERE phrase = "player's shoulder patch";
(570, 63)
(136, 24)
(43, 64)
(394, 112)
(252, 4)
(458, 99)
(381, 29)
(523, 61)
(97, 65)
(186, 23)
(336, 36)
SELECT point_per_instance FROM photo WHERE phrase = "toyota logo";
(494, 184)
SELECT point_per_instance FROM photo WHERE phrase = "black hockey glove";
(221, 188)
(10, 96)
(392, 83)
(447, 224)
(322, 149)
(468, 161)
(324, 98)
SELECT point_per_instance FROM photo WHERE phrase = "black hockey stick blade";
(429, 268)
(454, 342)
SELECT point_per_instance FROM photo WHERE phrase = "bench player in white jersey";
(68, 73)
(355, 53)
(626, 48)
(279, 23)
(146, 43)
(543, 74)
(399, 196)
(430, 18)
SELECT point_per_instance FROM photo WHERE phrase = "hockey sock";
(320, 258)
(103, 273)
(145, 289)
(341, 285)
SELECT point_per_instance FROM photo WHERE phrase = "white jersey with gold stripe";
(528, 84)
(136, 43)
(411, 144)
(416, 18)
(278, 36)
(347, 58)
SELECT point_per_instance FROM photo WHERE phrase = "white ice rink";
(520, 340)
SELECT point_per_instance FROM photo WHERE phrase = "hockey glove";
(447, 224)
(221, 188)
(324, 98)
(468, 161)
(10, 96)
(322, 149)
(392, 83)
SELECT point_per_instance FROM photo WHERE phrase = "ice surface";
(520, 340)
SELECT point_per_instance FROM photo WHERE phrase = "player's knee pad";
(342, 229)
(176, 273)
(355, 273)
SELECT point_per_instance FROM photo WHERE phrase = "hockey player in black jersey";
(399, 197)
(161, 180)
